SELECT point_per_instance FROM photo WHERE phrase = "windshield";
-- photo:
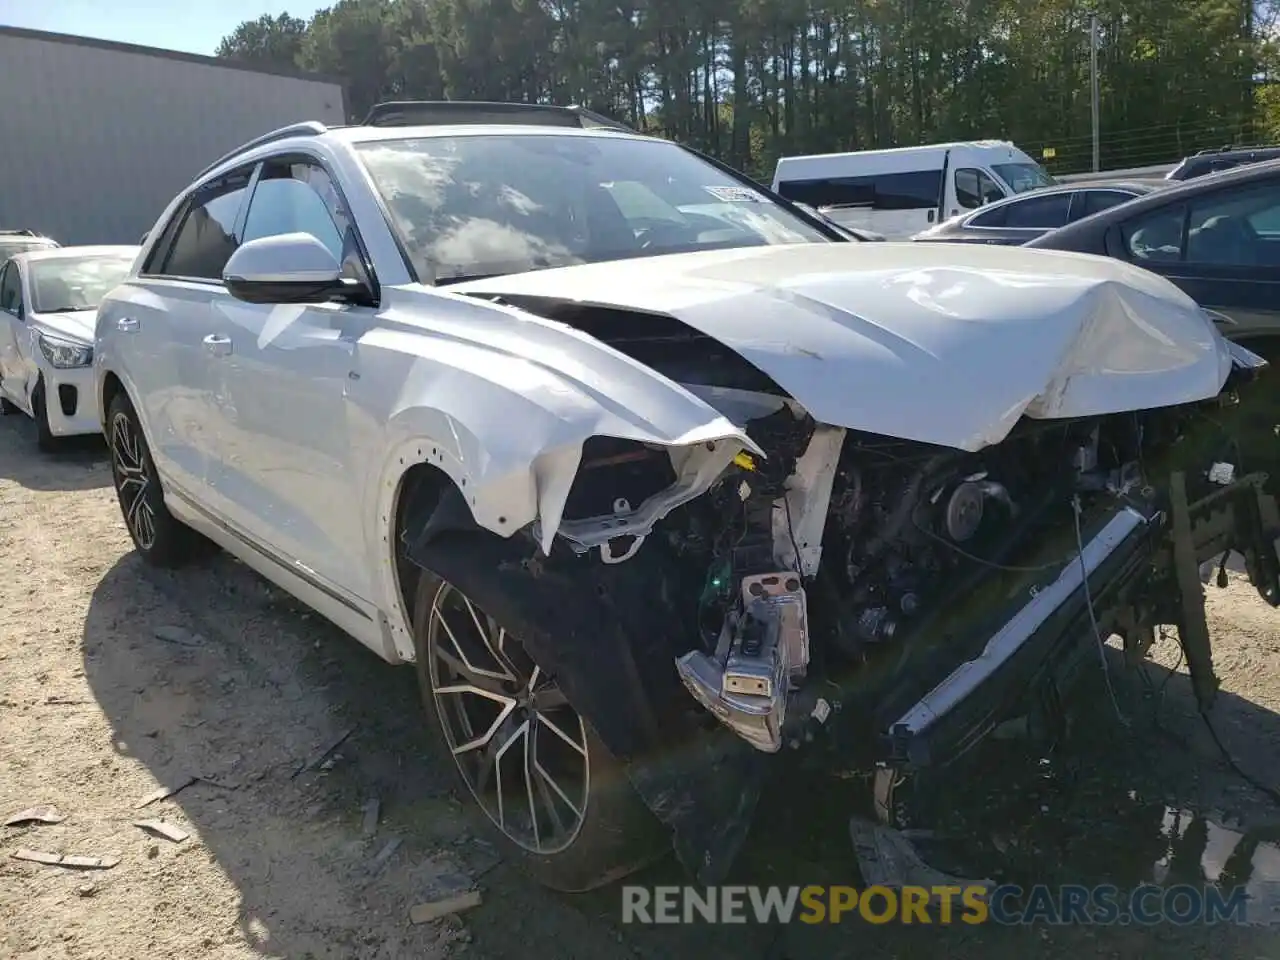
(9, 248)
(1024, 176)
(65, 284)
(475, 206)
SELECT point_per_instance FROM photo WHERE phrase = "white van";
(902, 191)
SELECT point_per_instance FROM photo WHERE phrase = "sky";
(168, 24)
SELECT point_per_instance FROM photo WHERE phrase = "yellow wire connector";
(745, 460)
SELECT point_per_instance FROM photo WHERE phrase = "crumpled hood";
(945, 344)
(75, 326)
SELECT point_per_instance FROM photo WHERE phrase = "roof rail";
(427, 113)
(18, 233)
(308, 128)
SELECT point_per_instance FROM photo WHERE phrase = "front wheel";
(45, 439)
(556, 801)
(161, 538)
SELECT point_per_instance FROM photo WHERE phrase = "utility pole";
(1093, 83)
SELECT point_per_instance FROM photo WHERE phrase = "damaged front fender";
(504, 413)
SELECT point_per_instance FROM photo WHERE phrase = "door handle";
(217, 345)
(127, 325)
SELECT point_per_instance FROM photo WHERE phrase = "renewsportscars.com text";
(1007, 904)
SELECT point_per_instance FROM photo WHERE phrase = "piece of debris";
(435, 909)
(59, 860)
(369, 826)
(320, 756)
(86, 889)
(42, 813)
(56, 700)
(384, 855)
(162, 792)
(219, 783)
(887, 858)
(179, 635)
(162, 829)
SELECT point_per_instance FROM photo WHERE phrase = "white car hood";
(945, 344)
(75, 326)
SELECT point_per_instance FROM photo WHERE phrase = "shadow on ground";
(60, 470)
(256, 688)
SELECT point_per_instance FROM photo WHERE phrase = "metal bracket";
(1193, 625)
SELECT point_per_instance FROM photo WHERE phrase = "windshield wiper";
(466, 278)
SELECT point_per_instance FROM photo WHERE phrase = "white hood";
(947, 344)
(75, 326)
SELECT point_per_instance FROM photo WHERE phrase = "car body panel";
(945, 346)
(1247, 297)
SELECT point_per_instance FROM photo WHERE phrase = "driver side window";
(295, 196)
(10, 290)
(974, 188)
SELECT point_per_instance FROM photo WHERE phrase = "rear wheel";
(557, 802)
(161, 538)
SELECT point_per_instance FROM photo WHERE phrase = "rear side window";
(1039, 212)
(911, 190)
(205, 237)
(1089, 202)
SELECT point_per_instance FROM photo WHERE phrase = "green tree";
(268, 41)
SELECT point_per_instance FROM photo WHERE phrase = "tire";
(161, 538)
(613, 835)
(7, 407)
(45, 439)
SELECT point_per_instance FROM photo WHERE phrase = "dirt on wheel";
(316, 818)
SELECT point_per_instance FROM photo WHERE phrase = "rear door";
(158, 324)
(1222, 248)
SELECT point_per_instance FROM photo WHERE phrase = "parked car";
(48, 299)
(20, 241)
(1021, 218)
(650, 474)
(1217, 237)
(1224, 158)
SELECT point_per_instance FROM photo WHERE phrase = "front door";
(286, 465)
(10, 326)
(1223, 249)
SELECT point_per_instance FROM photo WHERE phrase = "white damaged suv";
(652, 474)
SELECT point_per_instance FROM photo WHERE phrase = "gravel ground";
(117, 680)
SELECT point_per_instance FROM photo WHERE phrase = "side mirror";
(289, 268)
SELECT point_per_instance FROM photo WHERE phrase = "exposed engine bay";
(843, 552)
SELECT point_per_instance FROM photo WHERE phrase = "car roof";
(1137, 186)
(75, 253)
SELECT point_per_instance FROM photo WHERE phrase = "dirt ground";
(116, 680)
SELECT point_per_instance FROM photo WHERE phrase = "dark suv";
(1217, 237)
(1224, 158)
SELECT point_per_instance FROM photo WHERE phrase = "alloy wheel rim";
(133, 481)
(519, 745)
